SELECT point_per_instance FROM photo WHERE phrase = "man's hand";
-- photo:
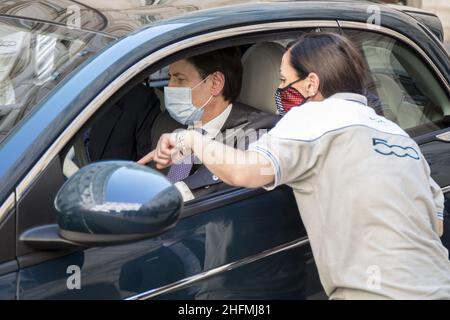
(163, 153)
(147, 158)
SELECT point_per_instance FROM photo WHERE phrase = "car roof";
(119, 17)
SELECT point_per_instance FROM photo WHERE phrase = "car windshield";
(34, 58)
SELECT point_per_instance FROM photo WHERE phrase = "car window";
(82, 150)
(121, 131)
(34, 58)
(410, 93)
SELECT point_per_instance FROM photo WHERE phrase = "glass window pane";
(410, 93)
(34, 58)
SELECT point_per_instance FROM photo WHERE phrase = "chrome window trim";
(398, 36)
(7, 206)
(103, 96)
(216, 271)
(446, 189)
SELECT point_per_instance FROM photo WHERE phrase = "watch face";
(183, 152)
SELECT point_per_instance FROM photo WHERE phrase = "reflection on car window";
(411, 95)
(34, 58)
(159, 78)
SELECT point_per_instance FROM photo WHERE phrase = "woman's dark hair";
(334, 58)
(228, 62)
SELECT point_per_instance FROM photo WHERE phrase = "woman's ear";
(218, 83)
(313, 88)
(312, 84)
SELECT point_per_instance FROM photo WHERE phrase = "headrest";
(261, 64)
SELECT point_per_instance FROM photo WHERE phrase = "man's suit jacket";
(246, 118)
(123, 133)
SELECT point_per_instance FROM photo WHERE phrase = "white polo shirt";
(366, 198)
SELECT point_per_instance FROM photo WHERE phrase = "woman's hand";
(163, 153)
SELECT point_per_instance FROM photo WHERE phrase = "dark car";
(73, 228)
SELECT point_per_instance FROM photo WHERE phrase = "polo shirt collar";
(350, 97)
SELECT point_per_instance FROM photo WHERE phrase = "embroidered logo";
(383, 147)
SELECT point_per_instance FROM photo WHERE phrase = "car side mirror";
(114, 202)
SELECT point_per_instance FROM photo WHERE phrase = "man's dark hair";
(334, 58)
(227, 61)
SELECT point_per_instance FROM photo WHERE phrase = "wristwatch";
(180, 142)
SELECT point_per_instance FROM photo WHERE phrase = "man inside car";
(203, 92)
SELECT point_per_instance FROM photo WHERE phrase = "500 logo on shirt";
(383, 147)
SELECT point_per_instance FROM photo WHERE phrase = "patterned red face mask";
(288, 97)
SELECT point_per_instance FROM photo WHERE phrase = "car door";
(413, 93)
(240, 243)
(256, 236)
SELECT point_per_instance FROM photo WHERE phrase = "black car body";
(240, 243)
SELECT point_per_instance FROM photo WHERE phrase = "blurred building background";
(440, 7)
(147, 11)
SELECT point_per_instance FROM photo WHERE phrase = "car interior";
(410, 94)
(404, 85)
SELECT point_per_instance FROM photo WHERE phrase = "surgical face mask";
(288, 97)
(179, 104)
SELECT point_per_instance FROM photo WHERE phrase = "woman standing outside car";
(371, 210)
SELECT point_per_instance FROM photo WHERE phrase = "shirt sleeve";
(292, 160)
(438, 197)
(436, 191)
